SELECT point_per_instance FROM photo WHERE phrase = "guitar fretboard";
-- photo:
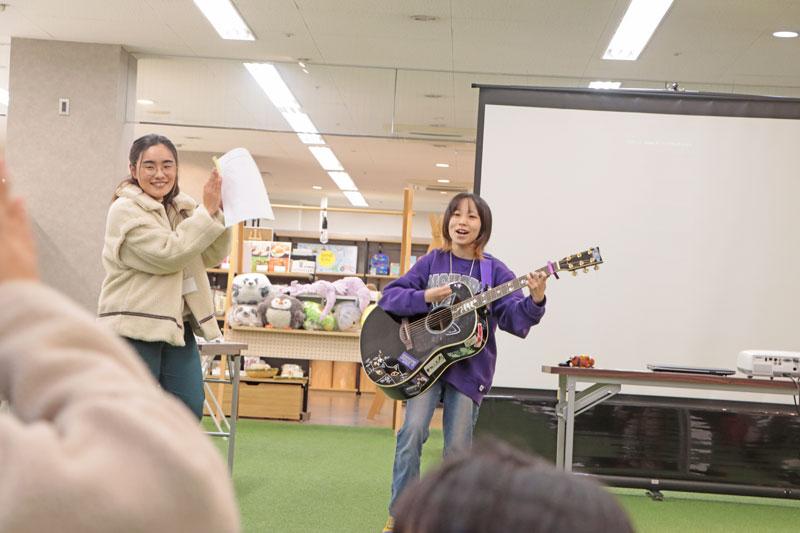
(488, 296)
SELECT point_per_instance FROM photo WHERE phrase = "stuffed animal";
(352, 286)
(314, 319)
(347, 316)
(250, 288)
(244, 315)
(282, 311)
(320, 287)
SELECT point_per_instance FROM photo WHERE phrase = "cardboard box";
(303, 266)
(280, 254)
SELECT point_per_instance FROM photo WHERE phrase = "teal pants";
(177, 368)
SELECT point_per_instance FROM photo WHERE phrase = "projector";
(769, 363)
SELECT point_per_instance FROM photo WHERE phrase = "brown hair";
(495, 487)
(484, 213)
(134, 157)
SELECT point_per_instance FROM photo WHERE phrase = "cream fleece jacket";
(92, 444)
(149, 265)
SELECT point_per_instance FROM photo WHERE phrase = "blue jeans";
(177, 368)
(460, 414)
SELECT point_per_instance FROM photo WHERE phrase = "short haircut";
(495, 487)
(484, 213)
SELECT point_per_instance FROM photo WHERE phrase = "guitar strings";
(447, 312)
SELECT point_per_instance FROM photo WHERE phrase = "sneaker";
(389, 527)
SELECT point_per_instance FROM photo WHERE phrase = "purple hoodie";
(514, 313)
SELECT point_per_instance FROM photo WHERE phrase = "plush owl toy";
(250, 288)
(244, 315)
(282, 311)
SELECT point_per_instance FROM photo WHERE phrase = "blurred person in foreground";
(90, 443)
(494, 487)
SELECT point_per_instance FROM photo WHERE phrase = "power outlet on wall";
(63, 106)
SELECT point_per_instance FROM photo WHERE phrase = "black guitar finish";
(406, 356)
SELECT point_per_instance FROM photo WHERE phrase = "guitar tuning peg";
(574, 273)
(585, 269)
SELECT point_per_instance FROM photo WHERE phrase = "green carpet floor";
(293, 477)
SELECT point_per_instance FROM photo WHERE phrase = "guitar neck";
(486, 297)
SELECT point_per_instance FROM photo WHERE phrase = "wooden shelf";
(298, 331)
(314, 235)
(380, 276)
(293, 275)
(340, 274)
(217, 270)
(290, 381)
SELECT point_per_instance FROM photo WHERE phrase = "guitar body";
(405, 356)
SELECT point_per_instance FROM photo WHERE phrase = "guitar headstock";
(581, 261)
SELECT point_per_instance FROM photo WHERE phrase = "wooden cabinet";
(281, 398)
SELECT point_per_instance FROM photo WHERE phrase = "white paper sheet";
(244, 195)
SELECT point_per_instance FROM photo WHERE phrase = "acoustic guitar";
(406, 355)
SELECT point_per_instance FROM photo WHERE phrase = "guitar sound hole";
(439, 321)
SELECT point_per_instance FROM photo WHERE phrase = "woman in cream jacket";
(158, 244)
(90, 443)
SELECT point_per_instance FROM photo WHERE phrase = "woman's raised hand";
(212, 193)
(17, 249)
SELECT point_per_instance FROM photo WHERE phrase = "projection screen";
(694, 201)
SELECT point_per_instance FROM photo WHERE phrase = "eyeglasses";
(149, 169)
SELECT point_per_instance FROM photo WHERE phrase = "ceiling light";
(306, 71)
(784, 34)
(605, 84)
(443, 165)
(145, 101)
(637, 26)
(305, 129)
(326, 157)
(443, 180)
(316, 187)
(343, 181)
(225, 19)
(356, 200)
(271, 82)
(4, 97)
(302, 65)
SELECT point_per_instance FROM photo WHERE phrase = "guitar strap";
(486, 275)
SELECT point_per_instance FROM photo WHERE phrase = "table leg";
(234, 360)
(377, 404)
(570, 422)
(560, 413)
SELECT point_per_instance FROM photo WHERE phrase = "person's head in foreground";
(497, 488)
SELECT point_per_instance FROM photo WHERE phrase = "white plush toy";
(348, 316)
(244, 315)
(250, 288)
